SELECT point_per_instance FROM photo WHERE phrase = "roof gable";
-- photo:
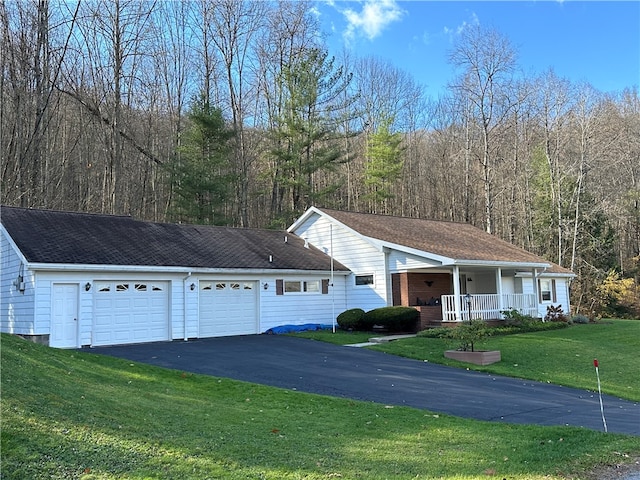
(456, 241)
(54, 237)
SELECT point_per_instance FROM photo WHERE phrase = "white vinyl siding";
(349, 249)
(17, 309)
(301, 308)
(401, 262)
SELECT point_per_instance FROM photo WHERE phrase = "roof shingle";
(47, 236)
(458, 241)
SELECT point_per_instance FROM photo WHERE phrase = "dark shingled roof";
(46, 236)
(458, 241)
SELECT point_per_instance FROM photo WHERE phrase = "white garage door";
(130, 312)
(228, 308)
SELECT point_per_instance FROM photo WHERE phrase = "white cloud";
(372, 19)
(450, 32)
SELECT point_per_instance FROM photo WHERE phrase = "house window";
(547, 290)
(311, 287)
(364, 280)
(301, 286)
(292, 287)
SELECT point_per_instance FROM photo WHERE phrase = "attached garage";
(130, 312)
(73, 280)
(228, 307)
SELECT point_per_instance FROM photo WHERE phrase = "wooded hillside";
(234, 112)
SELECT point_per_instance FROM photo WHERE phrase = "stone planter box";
(481, 357)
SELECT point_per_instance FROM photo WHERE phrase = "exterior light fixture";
(192, 287)
(265, 286)
(87, 286)
(467, 298)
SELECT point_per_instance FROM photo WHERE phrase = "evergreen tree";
(384, 163)
(306, 138)
(202, 182)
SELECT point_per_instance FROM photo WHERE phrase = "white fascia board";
(192, 270)
(547, 274)
(484, 263)
(13, 245)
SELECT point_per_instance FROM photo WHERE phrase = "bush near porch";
(390, 319)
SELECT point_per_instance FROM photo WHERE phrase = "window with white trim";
(547, 290)
(302, 286)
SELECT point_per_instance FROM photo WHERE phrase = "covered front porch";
(443, 297)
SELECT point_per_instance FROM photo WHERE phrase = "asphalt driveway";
(361, 374)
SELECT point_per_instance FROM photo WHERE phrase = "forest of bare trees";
(234, 112)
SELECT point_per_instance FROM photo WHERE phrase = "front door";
(64, 316)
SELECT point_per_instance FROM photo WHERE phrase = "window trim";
(551, 290)
(309, 286)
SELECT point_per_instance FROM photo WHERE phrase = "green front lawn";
(68, 415)
(563, 357)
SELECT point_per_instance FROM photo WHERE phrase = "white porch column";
(456, 292)
(536, 295)
(499, 289)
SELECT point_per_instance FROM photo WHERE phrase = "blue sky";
(596, 42)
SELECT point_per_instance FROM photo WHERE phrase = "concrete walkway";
(377, 340)
(361, 374)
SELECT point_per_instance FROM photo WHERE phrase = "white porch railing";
(487, 306)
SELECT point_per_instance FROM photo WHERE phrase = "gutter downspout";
(184, 306)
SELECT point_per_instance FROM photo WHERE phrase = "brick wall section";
(421, 290)
(429, 316)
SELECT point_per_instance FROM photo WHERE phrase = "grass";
(75, 415)
(563, 357)
(340, 337)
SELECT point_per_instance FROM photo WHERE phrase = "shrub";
(580, 319)
(394, 319)
(515, 318)
(351, 319)
(470, 333)
(555, 314)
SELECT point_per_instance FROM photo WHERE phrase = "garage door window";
(141, 287)
(122, 287)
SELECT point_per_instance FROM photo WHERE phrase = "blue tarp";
(297, 328)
